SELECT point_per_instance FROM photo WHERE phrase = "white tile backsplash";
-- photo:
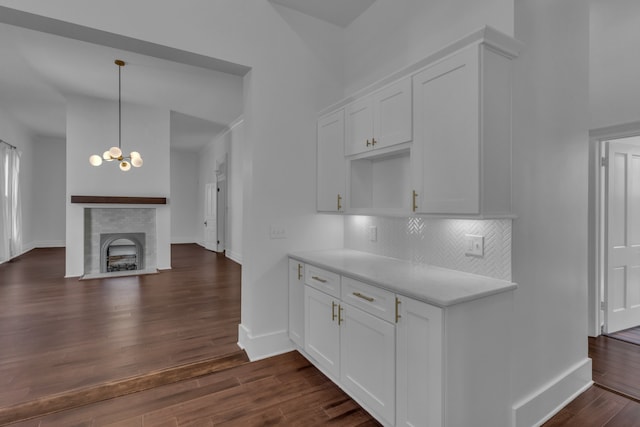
(437, 242)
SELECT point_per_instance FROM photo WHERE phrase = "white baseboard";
(49, 244)
(544, 403)
(182, 240)
(265, 345)
(233, 256)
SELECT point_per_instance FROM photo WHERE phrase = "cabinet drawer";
(323, 280)
(379, 302)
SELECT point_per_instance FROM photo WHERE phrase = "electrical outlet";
(373, 233)
(474, 245)
(277, 232)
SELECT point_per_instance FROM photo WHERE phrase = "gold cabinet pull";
(299, 271)
(414, 206)
(368, 143)
(398, 316)
(340, 319)
(319, 279)
(333, 311)
(373, 141)
(339, 202)
(364, 297)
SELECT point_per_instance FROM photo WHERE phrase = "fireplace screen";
(122, 252)
(122, 256)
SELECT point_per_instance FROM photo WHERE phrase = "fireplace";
(119, 241)
(121, 252)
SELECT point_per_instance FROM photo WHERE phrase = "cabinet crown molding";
(489, 36)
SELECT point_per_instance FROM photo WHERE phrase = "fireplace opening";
(121, 252)
(122, 256)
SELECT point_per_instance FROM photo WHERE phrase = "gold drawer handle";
(398, 316)
(319, 279)
(414, 205)
(299, 271)
(340, 319)
(364, 297)
(333, 311)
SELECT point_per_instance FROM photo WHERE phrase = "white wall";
(392, 34)
(184, 196)
(92, 127)
(550, 164)
(49, 182)
(234, 192)
(614, 87)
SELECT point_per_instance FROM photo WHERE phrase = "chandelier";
(115, 153)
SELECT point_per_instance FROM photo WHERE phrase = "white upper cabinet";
(433, 138)
(331, 177)
(379, 120)
(461, 154)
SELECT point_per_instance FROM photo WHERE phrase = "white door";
(446, 150)
(419, 364)
(392, 114)
(296, 302)
(322, 331)
(367, 361)
(221, 215)
(331, 164)
(622, 231)
(358, 126)
(210, 222)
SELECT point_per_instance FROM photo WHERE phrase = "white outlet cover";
(474, 245)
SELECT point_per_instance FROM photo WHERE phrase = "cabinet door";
(322, 332)
(331, 177)
(358, 126)
(446, 135)
(392, 114)
(419, 348)
(367, 368)
(296, 302)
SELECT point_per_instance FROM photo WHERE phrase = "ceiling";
(337, 12)
(40, 71)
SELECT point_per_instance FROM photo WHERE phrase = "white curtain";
(10, 203)
(5, 203)
(16, 205)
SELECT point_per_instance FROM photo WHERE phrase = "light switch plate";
(474, 245)
(373, 233)
(277, 232)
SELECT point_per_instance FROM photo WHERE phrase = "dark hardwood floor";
(631, 335)
(59, 335)
(166, 334)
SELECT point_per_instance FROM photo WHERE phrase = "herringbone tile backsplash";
(437, 242)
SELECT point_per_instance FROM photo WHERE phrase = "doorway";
(614, 293)
(215, 215)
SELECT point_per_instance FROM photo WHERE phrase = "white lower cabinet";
(407, 362)
(354, 347)
(322, 335)
(419, 347)
(367, 362)
(296, 302)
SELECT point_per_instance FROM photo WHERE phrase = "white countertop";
(434, 285)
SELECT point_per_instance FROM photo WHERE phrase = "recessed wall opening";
(122, 252)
